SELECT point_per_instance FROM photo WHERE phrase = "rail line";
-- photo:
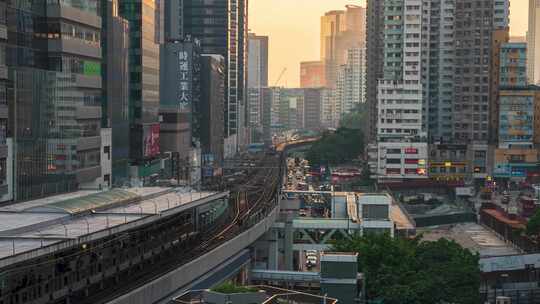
(253, 199)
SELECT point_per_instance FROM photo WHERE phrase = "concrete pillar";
(288, 245)
(272, 249)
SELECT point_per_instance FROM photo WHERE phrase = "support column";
(288, 245)
(272, 236)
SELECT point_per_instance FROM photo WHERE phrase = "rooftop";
(475, 237)
(272, 295)
(36, 224)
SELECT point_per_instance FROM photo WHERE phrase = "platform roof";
(29, 226)
(86, 203)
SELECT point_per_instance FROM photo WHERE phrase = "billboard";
(151, 140)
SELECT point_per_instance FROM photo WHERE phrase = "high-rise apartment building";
(257, 78)
(54, 58)
(441, 66)
(340, 31)
(351, 81)
(257, 61)
(311, 109)
(402, 142)
(513, 65)
(374, 64)
(312, 74)
(533, 42)
(329, 111)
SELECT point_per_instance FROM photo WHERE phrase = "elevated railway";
(106, 268)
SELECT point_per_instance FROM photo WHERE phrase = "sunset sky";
(293, 27)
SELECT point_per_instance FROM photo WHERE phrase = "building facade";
(115, 84)
(221, 26)
(340, 31)
(374, 64)
(312, 74)
(144, 64)
(54, 59)
(180, 91)
(212, 106)
(533, 43)
(257, 61)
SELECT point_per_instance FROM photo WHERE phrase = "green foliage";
(533, 226)
(355, 119)
(230, 288)
(402, 270)
(334, 148)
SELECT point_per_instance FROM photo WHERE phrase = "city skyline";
(286, 33)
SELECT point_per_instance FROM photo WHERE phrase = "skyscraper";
(533, 42)
(212, 103)
(221, 25)
(340, 31)
(257, 78)
(55, 76)
(257, 61)
(351, 81)
(144, 83)
(374, 64)
(115, 83)
(402, 143)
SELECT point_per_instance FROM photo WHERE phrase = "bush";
(230, 288)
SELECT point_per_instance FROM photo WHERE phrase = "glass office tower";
(54, 58)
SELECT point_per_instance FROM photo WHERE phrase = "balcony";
(74, 46)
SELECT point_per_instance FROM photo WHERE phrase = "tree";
(399, 270)
(338, 147)
(533, 226)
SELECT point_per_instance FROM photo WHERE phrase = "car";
(311, 253)
(312, 259)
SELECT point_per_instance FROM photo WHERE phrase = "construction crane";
(280, 76)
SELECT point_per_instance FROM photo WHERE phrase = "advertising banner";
(151, 140)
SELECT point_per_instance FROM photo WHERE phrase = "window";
(393, 161)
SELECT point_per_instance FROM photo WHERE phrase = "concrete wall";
(167, 284)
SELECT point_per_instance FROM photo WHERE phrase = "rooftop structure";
(33, 228)
(265, 295)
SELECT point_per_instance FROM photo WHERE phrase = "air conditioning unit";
(503, 300)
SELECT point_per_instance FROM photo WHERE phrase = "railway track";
(250, 201)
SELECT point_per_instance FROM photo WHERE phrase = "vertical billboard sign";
(151, 140)
(184, 86)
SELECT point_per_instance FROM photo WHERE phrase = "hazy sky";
(294, 26)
